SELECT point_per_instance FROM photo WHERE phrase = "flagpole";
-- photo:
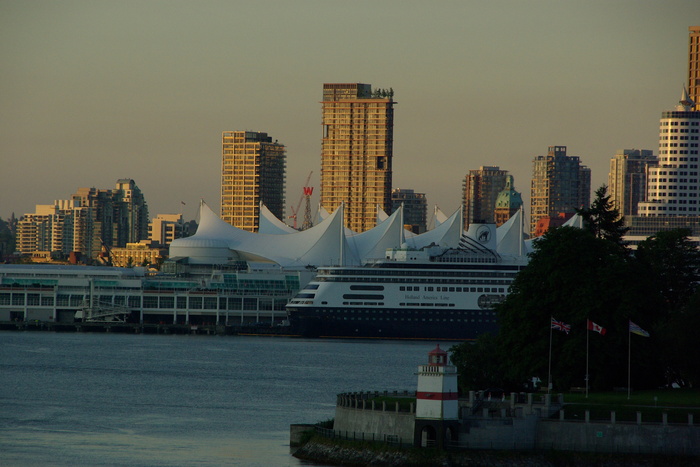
(587, 334)
(629, 360)
(549, 371)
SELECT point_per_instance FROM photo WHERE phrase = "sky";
(93, 91)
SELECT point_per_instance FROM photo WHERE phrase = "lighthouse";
(437, 407)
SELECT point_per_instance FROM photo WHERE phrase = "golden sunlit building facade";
(357, 151)
(253, 170)
(694, 63)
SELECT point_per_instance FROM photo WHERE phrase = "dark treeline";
(576, 275)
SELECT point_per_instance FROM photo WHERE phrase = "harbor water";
(167, 400)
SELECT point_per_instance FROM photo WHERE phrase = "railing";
(366, 401)
(104, 312)
(392, 440)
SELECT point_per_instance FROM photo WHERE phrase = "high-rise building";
(253, 170)
(672, 187)
(673, 184)
(627, 179)
(507, 203)
(560, 185)
(48, 229)
(130, 213)
(357, 151)
(415, 208)
(90, 221)
(479, 192)
(165, 228)
(694, 63)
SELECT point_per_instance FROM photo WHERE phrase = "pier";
(148, 328)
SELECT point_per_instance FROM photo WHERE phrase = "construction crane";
(294, 210)
(308, 191)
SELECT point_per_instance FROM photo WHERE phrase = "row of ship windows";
(418, 320)
(386, 273)
(452, 289)
(414, 281)
(406, 312)
(401, 304)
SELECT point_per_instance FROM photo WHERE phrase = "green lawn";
(677, 403)
(659, 398)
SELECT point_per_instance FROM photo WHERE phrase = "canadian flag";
(596, 327)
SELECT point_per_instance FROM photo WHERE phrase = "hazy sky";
(93, 91)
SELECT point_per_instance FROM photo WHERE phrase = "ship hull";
(351, 325)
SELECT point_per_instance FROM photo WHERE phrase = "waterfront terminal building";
(221, 275)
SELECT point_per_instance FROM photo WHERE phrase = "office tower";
(479, 192)
(252, 171)
(694, 63)
(415, 208)
(560, 185)
(507, 203)
(673, 184)
(627, 180)
(357, 151)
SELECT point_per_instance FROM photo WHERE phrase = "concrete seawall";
(357, 413)
(683, 440)
(520, 423)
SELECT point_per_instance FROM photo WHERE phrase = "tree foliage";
(568, 278)
(602, 219)
(575, 275)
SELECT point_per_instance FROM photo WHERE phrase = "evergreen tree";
(602, 219)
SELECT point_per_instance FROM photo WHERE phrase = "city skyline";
(100, 91)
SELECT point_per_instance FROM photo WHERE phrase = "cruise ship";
(435, 293)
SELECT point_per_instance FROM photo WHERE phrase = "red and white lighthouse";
(437, 406)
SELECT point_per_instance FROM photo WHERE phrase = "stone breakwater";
(345, 454)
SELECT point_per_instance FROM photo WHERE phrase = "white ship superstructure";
(429, 293)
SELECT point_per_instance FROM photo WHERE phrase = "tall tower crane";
(295, 211)
(308, 223)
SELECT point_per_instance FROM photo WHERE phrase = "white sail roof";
(319, 245)
(328, 243)
(373, 243)
(445, 234)
(381, 215)
(509, 236)
(268, 223)
(440, 216)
